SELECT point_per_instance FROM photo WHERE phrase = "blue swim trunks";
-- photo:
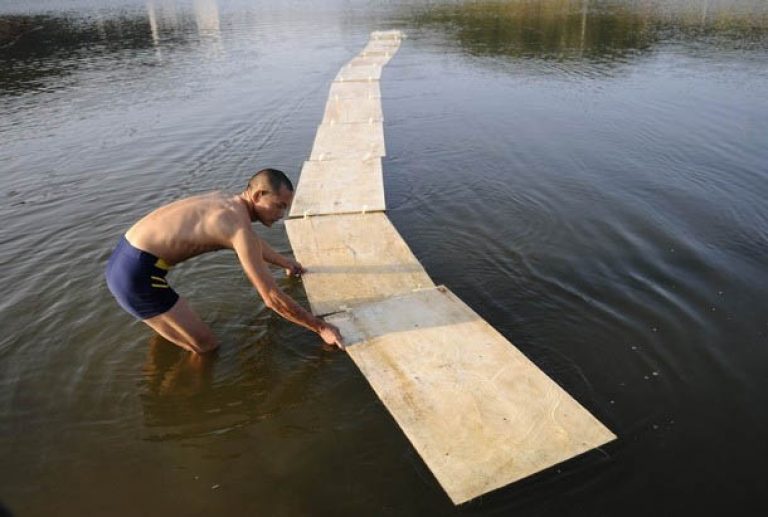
(137, 280)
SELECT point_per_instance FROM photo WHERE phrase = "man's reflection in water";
(170, 371)
(178, 396)
(182, 399)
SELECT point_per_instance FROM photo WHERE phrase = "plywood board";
(385, 35)
(351, 259)
(379, 40)
(352, 110)
(370, 60)
(480, 414)
(339, 186)
(361, 141)
(359, 73)
(354, 90)
(378, 58)
(386, 47)
(385, 55)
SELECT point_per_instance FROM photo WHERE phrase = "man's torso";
(189, 227)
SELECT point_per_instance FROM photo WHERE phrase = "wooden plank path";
(479, 413)
(338, 187)
(353, 258)
(351, 110)
(357, 140)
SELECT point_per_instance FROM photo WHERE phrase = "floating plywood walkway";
(479, 413)
(339, 186)
(353, 258)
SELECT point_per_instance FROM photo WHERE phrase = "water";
(589, 176)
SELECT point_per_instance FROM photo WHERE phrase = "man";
(189, 227)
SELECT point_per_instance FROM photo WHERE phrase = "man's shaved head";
(269, 179)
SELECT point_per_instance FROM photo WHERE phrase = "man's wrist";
(319, 325)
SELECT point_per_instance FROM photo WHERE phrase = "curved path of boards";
(480, 414)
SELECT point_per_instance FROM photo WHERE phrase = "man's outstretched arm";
(250, 253)
(291, 267)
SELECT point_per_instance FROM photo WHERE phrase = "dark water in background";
(589, 176)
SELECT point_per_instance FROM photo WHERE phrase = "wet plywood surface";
(393, 34)
(371, 72)
(339, 186)
(479, 413)
(347, 111)
(377, 59)
(352, 259)
(354, 90)
(386, 47)
(364, 140)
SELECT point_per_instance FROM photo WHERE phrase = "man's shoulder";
(205, 202)
(228, 212)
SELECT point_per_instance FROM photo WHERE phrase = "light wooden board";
(384, 41)
(352, 110)
(352, 259)
(379, 54)
(384, 35)
(387, 47)
(361, 141)
(368, 73)
(339, 186)
(480, 414)
(378, 58)
(354, 90)
(370, 60)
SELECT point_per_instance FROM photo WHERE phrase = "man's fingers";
(292, 268)
(339, 340)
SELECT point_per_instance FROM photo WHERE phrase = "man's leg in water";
(182, 326)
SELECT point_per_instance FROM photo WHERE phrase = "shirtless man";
(189, 227)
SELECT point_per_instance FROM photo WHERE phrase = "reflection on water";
(186, 396)
(589, 176)
(43, 48)
(166, 20)
(34, 49)
(560, 29)
(603, 30)
(207, 17)
(172, 374)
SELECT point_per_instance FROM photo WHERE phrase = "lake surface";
(590, 176)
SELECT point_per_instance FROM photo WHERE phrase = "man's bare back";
(189, 227)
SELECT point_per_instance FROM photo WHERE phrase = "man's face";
(271, 207)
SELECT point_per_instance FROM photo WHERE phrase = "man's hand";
(293, 268)
(331, 335)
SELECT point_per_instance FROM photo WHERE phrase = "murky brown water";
(590, 176)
